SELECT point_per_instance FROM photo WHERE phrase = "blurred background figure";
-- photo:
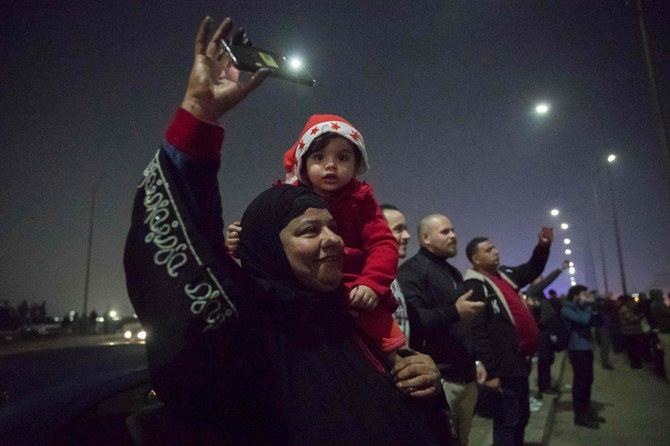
(604, 331)
(660, 312)
(580, 312)
(546, 317)
(630, 322)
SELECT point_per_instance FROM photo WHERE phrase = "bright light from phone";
(295, 63)
(542, 108)
(568, 252)
(564, 226)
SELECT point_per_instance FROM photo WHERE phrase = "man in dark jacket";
(505, 333)
(545, 316)
(438, 312)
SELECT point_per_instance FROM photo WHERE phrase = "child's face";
(332, 167)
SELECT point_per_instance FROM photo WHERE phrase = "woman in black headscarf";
(264, 354)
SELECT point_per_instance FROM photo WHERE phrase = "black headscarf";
(261, 250)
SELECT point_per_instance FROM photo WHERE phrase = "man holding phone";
(505, 333)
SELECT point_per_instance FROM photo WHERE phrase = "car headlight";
(128, 334)
(142, 335)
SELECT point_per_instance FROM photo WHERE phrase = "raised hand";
(546, 236)
(467, 309)
(214, 86)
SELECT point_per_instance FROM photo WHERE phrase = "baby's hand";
(363, 298)
(233, 239)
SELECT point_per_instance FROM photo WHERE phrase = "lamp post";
(543, 109)
(617, 236)
(94, 190)
(567, 243)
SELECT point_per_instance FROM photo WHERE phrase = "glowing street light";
(542, 109)
(564, 226)
(112, 314)
(572, 270)
(295, 63)
(611, 158)
(554, 212)
(571, 264)
(568, 252)
(566, 241)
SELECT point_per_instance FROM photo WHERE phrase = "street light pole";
(616, 225)
(600, 239)
(90, 242)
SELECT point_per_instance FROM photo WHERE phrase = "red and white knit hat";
(316, 126)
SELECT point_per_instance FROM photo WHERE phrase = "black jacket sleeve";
(523, 274)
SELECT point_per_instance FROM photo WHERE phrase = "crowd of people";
(317, 337)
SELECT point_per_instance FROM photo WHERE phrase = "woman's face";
(314, 250)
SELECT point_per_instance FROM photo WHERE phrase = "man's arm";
(545, 282)
(529, 271)
(576, 315)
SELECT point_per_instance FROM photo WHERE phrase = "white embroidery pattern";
(171, 253)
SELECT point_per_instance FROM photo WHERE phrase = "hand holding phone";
(546, 235)
(247, 57)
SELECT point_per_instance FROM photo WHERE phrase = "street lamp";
(610, 159)
(564, 226)
(554, 212)
(568, 252)
(94, 191)
(542, 109)
(566, 241)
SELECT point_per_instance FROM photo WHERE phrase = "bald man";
(439, 312)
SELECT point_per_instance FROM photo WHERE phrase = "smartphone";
(251, 59)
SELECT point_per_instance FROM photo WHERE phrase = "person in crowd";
(630, 321)
(660, 311)
(545, 317)
(265, 353)
(505, 333)
(438, 310)
(580, 312)
(604, 329)
(398, 225)
(328, 156)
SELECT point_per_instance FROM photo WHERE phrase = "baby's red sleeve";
(381, 329)
(380, 249)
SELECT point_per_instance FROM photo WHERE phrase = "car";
(42, 326)
(79, 395)
(133, 331)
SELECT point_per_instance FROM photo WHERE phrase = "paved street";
(635, 404)
(50, 343)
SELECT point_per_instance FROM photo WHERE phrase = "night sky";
(443, 93)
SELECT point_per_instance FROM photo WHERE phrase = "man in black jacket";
(505, 333)
(438, 310)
